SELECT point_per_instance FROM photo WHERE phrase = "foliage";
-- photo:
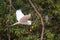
(33, 32)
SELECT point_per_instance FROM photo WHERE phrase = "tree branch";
(42, 34)
(7, 22)
(8, 30)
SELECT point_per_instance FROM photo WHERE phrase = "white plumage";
(22, 19)
(19, 15)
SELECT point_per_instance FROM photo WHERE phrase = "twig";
(8, 30)
(7, 22)
(42, 34)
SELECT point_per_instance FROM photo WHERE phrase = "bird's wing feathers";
(25, 18)
(19, 15)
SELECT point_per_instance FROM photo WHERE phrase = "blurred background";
(50, 11)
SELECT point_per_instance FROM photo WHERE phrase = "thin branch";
(8, 30)
(42, 34)
(7, 22)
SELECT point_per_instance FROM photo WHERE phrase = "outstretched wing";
(19, 15)
(25, 18)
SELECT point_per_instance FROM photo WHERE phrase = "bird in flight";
(22, 19)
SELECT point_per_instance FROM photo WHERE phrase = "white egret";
(22, 19)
